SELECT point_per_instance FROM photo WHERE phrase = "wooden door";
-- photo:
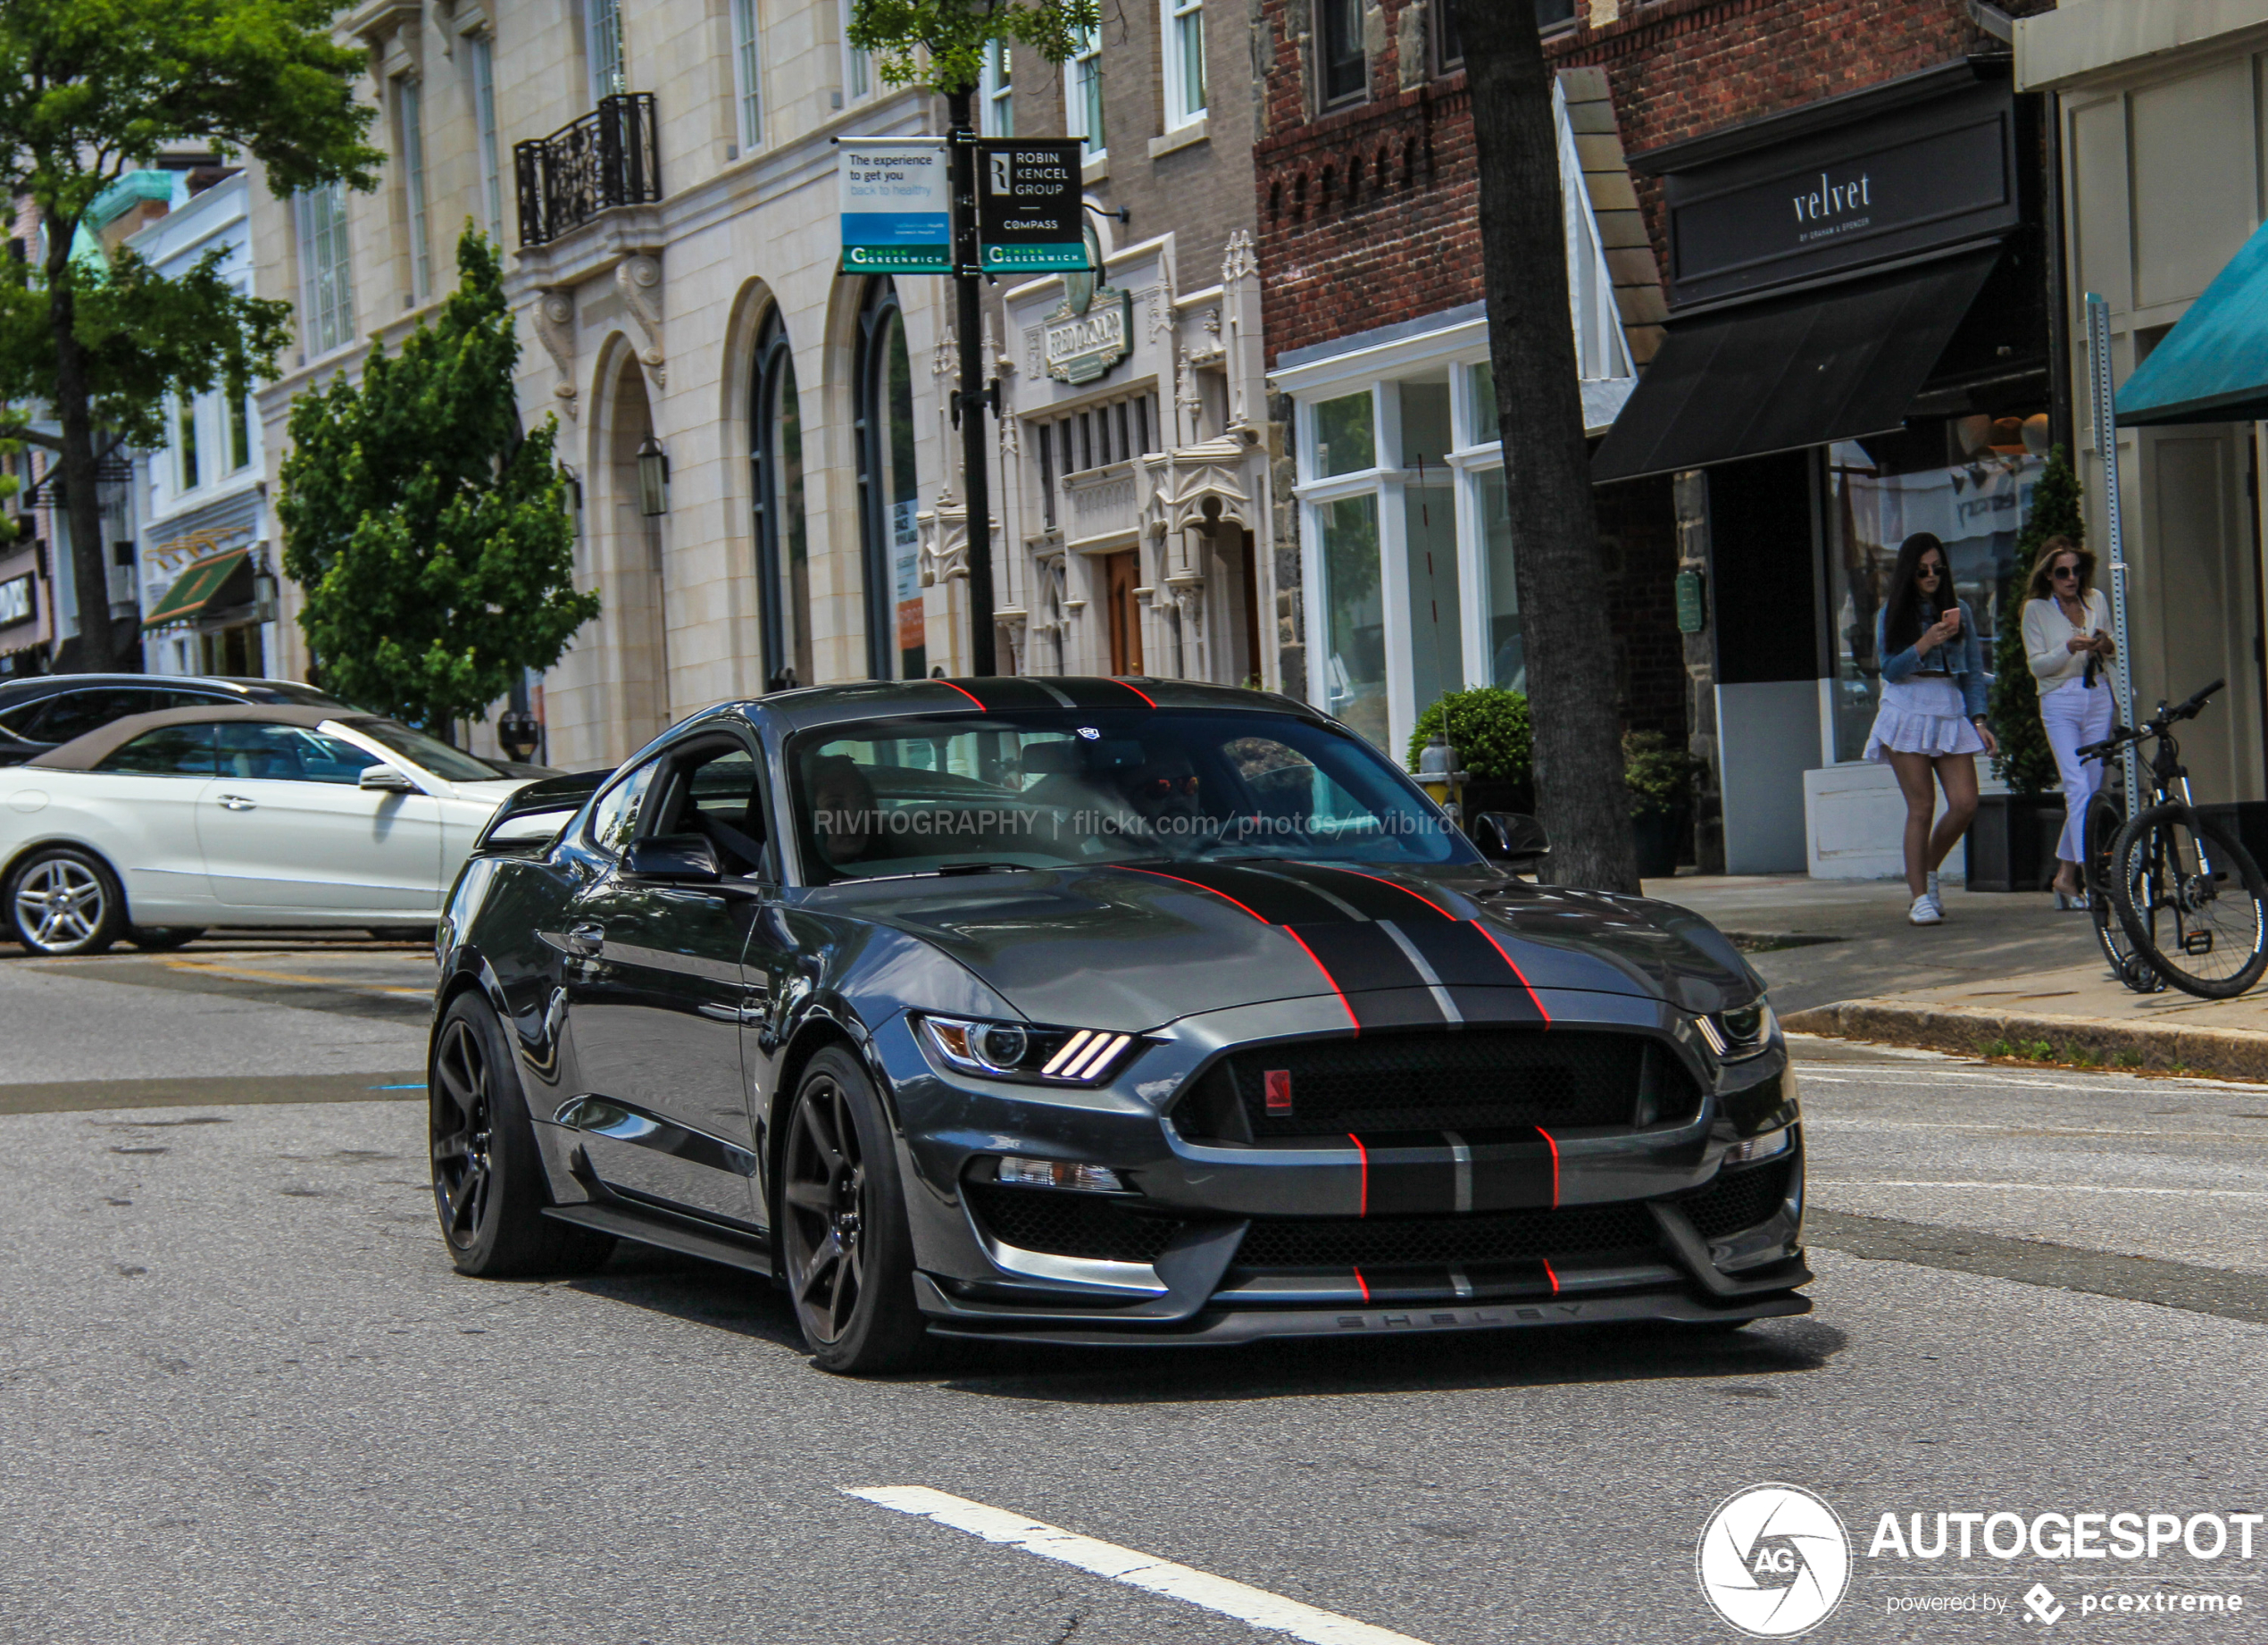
(1121, 573)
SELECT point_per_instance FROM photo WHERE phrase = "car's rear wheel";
(845, 1245)
(62, 901)
(163, 938)
(488, 1185)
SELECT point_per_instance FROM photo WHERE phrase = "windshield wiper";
(986, 868)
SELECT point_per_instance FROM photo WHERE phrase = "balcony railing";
(607, 158)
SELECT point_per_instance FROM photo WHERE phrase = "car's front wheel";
(845, 1244)
(488, 1180)
(62, 901)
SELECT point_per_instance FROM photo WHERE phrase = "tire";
(2195, 906)
(163, 938)
(2106, 817)
(845, 1250)
(488, 1187)
(60, 901)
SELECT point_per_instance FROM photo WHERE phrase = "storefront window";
(1436, 637)
(1345, 437)
(1967, 479)
(1507, 651)
(783, 551)
(1426, 437)
(1356, 664)
(1485, 425)
(896, 642)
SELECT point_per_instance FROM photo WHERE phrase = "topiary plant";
(1489, 728)
(2025, 763)
(1661, 778)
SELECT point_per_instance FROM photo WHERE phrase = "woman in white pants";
(2066, 641)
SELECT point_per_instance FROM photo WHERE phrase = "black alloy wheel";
(846, 1250)
(63, 902)
(488, 1186)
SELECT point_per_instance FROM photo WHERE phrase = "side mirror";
(386, 780)
(674, 859)
(1508, 837)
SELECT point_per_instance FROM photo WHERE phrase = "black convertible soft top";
(558, 796)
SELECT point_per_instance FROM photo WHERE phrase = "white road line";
(2055, 1188)
(1255, 1605)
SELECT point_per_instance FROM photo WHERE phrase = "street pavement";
(243, 1396)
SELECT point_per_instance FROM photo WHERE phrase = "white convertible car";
(160, 824)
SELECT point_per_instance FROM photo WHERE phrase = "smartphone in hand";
(1951, 617)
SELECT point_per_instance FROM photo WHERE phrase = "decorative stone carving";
(555, 319)
(640, 280)
(1183, 481)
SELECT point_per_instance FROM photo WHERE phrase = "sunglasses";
(2064, 573)
(1165, 788)
(1930, 569)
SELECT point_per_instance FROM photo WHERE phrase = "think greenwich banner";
(896, 205)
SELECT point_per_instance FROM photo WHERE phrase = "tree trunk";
(1580, 796)
(92, 651)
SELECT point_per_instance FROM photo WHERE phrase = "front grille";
(1739, 1200)
(1038, 1219)
(1470, 1081)
(1388, 1241)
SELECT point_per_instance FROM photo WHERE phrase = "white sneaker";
(1925, 911)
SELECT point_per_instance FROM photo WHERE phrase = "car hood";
(1131, 948)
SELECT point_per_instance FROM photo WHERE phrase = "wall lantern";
(263, 591)
(652, 478)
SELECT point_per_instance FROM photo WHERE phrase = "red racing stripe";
(1405, 889)
(1223, 896)
(1362, 1285)
(1548, 1274)
(1363, 1206)
(1353, 1020)
(1138, 692)
(1553, 1146)
(949, 685)
(1516, 972)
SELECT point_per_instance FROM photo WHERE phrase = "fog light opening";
(1023, 1172)
(1769, 1146)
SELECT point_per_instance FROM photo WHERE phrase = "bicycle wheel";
(2105, 816)
(2196, 908)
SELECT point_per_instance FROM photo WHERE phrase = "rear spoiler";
(519, 823)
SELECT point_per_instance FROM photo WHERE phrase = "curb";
(2239, 1053)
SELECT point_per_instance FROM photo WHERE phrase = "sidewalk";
(2007, 974)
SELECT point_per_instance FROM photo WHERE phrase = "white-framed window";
(187, 470)
(326, 269)
(1185, 98)
(858, 68)
(239, 431)
(997, 92)
(748, 75)
(603, 48)
(1083, 94)
(409, 117)
(484, 117)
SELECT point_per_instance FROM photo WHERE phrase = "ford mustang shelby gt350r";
(1096, 1011)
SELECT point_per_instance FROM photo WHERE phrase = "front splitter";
(1217, 1329)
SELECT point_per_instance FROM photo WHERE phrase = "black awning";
(1830, 363)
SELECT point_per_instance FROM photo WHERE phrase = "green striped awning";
(197, 587)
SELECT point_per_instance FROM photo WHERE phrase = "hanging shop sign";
(16, 602)
(1094, 330)
(1031, 214)
(896, 205)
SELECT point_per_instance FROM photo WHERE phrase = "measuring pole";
(970, 403)
(2098, 366)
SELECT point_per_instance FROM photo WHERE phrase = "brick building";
(1691, 121)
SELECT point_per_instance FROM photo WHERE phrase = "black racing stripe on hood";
(1373, 896)
(1374, 975)
(1275, 899)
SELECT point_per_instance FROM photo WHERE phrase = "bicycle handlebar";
(2155, 726)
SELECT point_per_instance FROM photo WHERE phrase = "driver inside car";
(842, 805)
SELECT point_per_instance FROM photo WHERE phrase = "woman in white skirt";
(1931, 724)
(2067, 642)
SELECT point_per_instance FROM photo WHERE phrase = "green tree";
(2025, 763)
(90, 89)
(941, 43)
(431, 539)
(1549, 515)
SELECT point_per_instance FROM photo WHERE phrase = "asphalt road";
(243, 1397)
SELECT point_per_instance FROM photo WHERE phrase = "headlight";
(1746, 1030)
(1021, 1051)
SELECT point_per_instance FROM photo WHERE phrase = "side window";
(264, 751)
(170, 751)
(75, 714)
(719, 795)
(613, 821)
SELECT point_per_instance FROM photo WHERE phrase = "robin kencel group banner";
(1030, 215)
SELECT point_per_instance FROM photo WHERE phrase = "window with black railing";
(609, 157)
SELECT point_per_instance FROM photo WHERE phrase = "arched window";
(896, 647)
(783, 546)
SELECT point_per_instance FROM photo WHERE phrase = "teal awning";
(2212, 367)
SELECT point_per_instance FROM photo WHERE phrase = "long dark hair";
(1904, 601)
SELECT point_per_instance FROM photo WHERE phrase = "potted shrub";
(1661, 778)
(1489, 731)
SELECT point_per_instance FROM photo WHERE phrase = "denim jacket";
(1960, 659)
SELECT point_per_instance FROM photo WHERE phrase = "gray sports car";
(1095, 1011)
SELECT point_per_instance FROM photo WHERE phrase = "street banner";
(896, 205)
(1030, 215)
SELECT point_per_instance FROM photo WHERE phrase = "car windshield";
(1072, 786)
(450, 764)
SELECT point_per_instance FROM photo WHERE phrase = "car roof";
(873, 699)
(223, 687)
(84, 753)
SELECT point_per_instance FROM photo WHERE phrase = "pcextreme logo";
(1774, 1560)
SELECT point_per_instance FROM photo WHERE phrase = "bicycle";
(2106, 817)
(2189, 898)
